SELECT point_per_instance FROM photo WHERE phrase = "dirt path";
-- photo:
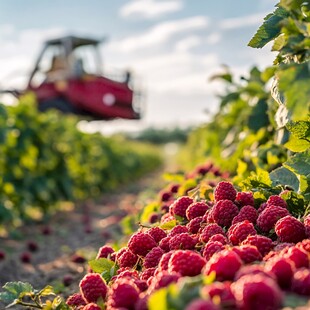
(71, 236)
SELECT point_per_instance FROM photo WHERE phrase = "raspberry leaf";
(105, 267)
(169, 225)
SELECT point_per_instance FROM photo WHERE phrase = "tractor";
(67, 76)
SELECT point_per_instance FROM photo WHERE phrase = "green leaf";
(283, 176)
(297, 145)
(270, 29)
(295, 202)
(47, 290)
(104, 266)
(168, 225)
(147, 211)
(15, 290)
(158, 300)
(299, 164)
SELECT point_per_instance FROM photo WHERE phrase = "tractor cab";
(67, 76)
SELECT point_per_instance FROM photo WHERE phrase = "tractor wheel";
(60, 104)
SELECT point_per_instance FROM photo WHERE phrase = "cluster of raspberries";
(256, 255)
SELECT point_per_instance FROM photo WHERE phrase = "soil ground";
(74, 234)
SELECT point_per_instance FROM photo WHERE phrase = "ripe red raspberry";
(262, 207)
(164, 261)
(25, 257)
(304, 245)
(196, 209)
(176, 230)
(240, 231)
(165, 195)
(147, 273)
(276, 201)
(174, 188)
(201, 304)
(257, 293)
(283, 269)
(244, 199)
(153, 257)
(223, 291)
(76, 300)
(246, 213)
(225, 190)
(166, 218)
(195, 224)
(32, 246)
(289, 229)
(93, 287)
(157, 233)
(248, 253)
(163, 279)
(254, 270)
(127, 272)
(280, 246)
(186, 262)
(179, 206)
(141, 243)
(182, 242)
(123, 294)
(225, 264)
(301, 282)
(127, 259)
(211, 248)
(210, 230)
(263, 244)
(298, 256)
(91, 306)
(268, 218)
(104, 252)
(223, 212)
(164, 244)
(307, 221)
(220, 238)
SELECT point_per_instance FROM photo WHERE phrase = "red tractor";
(67, 76)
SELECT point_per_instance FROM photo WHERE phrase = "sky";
(172, 47)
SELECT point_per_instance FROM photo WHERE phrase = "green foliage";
(105, 267)
(45, 159)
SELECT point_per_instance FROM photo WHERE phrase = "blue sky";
(173, 46)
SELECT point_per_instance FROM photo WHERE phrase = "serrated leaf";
(158, 300)
(168, 225)
(299, 164)
(7, 297)
(295, 202)
(103, 266)
(297, 145)
(270, 29)
(15, 290)
(283, 176)
(47, 290)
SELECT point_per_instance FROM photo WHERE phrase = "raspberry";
(262, 207)
(201, 304)
(209, 231)
(268, 218)
(248, 253)
(176, 230)
(79, 259)
(298, 256)
(127, 272)
(222, 291)
(304, 245)
(2, 255)
(123, 294)
(301, 282)
(32, 246)
(164, 261)
(244, 199)
(104, 252)
(219, 237)
(195, 224)
(253, 270)
(127, 259)
(154, 218)
(307, 221)
(289, 229)
(211, 248)
(196, 209)
(225, 191)
(147, 273)
(153, 257)
(225, 264)
(246, 213)
(263, 244)
(25, 257)
(186, 262)
(164, 244)
(164, 195)
(93, 287)
(280, 246)
(179, 206)
(182, 242)
(91, 306)
(283, 269)
(276, 201)
(67, 279)
(157, 233)
(76, 300)
(240, 231)
(223, 212)
(174, 188)
(141, 243)
(166, 218)
(257, 293)
(163, 279)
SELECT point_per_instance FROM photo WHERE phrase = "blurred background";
(172, 48)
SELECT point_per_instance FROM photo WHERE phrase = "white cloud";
(188, 43)
(160, 33)
(149, 8)
(214, 38)
(240, 22)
